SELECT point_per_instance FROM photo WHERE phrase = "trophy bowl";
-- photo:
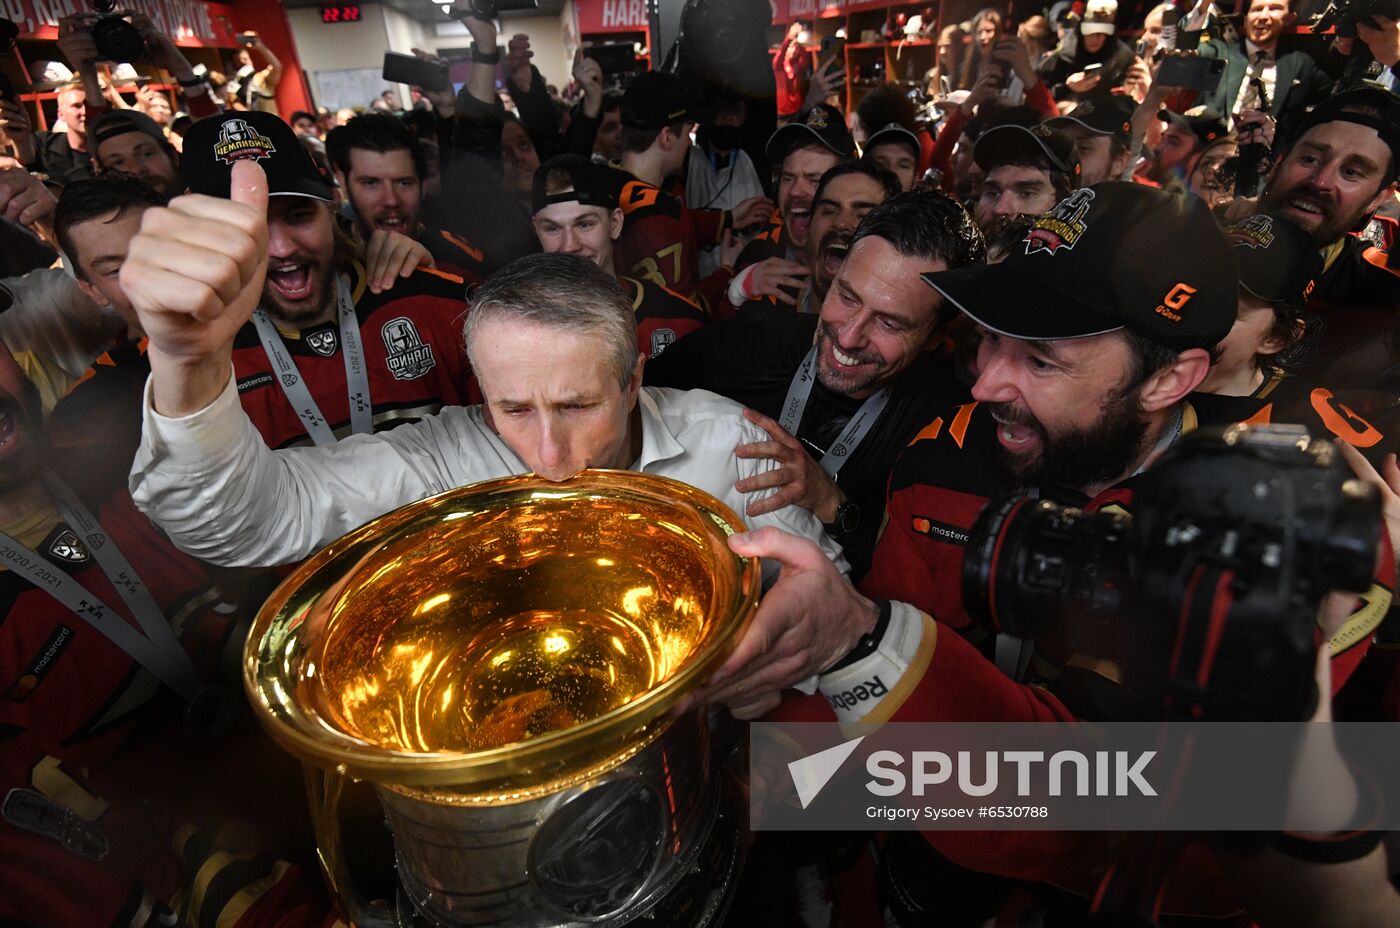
(501, 661)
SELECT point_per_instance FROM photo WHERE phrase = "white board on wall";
(351, 88)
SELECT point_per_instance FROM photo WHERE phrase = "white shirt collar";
(658, 444)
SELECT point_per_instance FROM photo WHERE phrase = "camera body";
(1343, 15)
(116, 38)
(1205, 598)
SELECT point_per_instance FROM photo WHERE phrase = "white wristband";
(738, 293)
(854, 691)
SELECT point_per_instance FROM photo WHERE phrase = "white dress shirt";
(1265, 68)
(223, 496)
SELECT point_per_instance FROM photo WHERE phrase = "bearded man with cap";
(130, 142)
(1339, 169)
(1250, 379)
(803, 151)
(661, 238)
(1101, 127)
(576, 213)
(1027, 170)
(328, 354)
(1184, 137)
(1094, 335)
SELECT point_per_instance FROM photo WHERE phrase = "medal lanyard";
(800, 390)
(157, 650)
(294, 386)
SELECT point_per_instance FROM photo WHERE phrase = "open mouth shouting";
(292, 281)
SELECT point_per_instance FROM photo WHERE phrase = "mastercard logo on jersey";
(939, 531)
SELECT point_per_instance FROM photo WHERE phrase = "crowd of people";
(229, 337)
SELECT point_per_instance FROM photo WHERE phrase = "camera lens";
(1036, 568)
(118, 40)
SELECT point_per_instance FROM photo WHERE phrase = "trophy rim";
(270, 674)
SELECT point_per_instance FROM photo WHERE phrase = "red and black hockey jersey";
(663, 315)
(454, 254)
(937, 488)
(94, 750)
(661, 240)
(412, 338)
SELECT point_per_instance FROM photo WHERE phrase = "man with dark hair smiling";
(871, 363)
(380, 166)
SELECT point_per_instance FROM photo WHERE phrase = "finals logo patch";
(1062, 226)
(1254, 232)
(238, 140)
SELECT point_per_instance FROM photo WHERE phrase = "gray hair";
(559, 291)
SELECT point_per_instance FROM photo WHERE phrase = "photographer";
(70, 156)
(257, 89)
(1084, 375)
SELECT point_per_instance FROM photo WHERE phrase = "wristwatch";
(847, 519)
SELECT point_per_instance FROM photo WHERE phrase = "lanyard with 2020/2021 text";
(155, 647)
(294, 385)
(795, 404)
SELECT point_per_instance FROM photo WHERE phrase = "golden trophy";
(502, 663)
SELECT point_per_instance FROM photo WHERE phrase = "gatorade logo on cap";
(817, 118)
(1172, 304)
(238, 140)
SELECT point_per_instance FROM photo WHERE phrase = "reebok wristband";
(855, 689)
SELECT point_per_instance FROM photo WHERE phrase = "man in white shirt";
(560, 372)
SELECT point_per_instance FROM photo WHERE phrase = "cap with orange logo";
(1109, 257)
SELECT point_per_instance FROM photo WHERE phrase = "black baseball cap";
(1387, 125)
(120, 122)
(214, 143)
(1101, 114)
(988, 117)
(655, 100)
(822, 123)
(1204, 123)
(1040, 144)
(894, 132)
(1107, 258)
(592, 183)
(1279, 262)
(301, 114)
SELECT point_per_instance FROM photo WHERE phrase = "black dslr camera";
(112, 32)
(1205, 599)
(1345, 14)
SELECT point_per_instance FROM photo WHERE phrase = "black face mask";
(720, 138)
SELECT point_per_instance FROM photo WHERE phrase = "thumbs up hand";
(194, 274)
